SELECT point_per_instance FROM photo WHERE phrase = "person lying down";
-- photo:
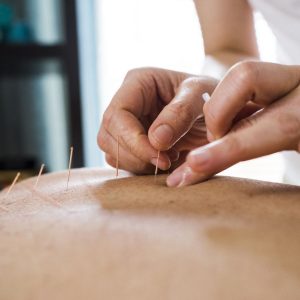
(135, 238)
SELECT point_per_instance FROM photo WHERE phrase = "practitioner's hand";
(153, 110)
(276, 127)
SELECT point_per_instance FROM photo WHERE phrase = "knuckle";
(184, 110)
(236, 147)
(133, 144)
(132, 73)
(245, 73)
(137, 72)
(180, 117)
(244, 124)
(107, 119)
(141, 168)
(101, 141)
(210, 117)
(289, 125)
(194, 85)
(110, 160)
(191, 82)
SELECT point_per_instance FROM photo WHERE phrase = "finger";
(195, 138)
(183, 175)
(143, 94)
(275, 129)
(247, 111)
(261, 83)
(173, 154)
(122, 118)
(148, 169)
(181, 160)
(127, 160)
(177, 118)
(132, 136)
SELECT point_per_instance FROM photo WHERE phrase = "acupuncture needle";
(13, 184)
(70, 165)
(156, 167)
(40, 173)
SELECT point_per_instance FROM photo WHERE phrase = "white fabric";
(283, 17)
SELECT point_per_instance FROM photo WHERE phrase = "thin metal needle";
(70, 165)
(13, 184)
(40, 173)
(156, 167)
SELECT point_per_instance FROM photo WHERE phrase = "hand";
(153, 110)
(276, 127)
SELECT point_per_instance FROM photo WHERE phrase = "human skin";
(171, 99)
(147, 99)
(134, 238)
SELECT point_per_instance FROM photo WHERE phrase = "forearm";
(217, 64)
(228, 34)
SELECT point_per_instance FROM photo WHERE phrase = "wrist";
(216, 64)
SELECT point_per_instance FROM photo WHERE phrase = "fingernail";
(174, 179)
(179, 179)
(186, 177)
(206, 97)
(183, 180)
(154, 162)
(210, 137)
(173, 155)
(163, 165)
(201, 157)
(163, 134)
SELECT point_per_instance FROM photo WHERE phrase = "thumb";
(177, 118)
(277, 128)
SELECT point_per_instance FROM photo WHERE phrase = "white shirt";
(283, 17)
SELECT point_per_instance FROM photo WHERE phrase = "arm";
(228, 34)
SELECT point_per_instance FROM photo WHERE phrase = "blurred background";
(61, 61)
